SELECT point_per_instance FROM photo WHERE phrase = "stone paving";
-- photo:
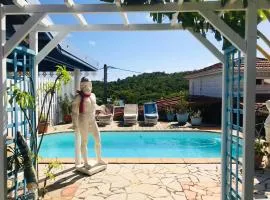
(146, 182)
(118, 126)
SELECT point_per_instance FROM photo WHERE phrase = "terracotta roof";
(261, 64)
(171, 102)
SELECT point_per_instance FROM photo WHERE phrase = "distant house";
(208, 81)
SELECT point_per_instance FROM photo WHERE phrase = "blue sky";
(168, 51)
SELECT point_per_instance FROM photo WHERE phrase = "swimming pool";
(139, 144)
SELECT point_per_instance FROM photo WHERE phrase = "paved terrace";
(146, 182)
(155, 180)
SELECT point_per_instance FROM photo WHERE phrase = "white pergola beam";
(22, 3)
(79, 17)
(208, 45)
(108, 27)
(224, 29)
(103, 8)
(230, 2)
(69, 3)
(123, 14)
(175, 15)
(125, 18)
(174, 18)
(264, 38)
(50, 46)
(19, 35)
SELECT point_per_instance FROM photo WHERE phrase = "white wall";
(211, 85)
(206, 86)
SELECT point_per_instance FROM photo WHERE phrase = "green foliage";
(15, 160)
(182, 106)
(169, 110)
(42, 118)
(50, 174)
(64, 75)
(24, 99)
(65, 104)
(195, 114)
(47, 87)
(260, 147)
(143, 88)
(235, 19)
(54, 165)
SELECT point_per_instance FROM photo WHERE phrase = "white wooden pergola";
(207, 9)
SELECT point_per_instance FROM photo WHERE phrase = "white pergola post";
(33, 44)
(77, 76)
(3, 107)
(224, 136)
(249, 100)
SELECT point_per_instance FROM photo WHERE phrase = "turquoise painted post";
(18, 74)
(232, 125)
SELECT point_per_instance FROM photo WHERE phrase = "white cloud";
(92, 43)
(148, 71)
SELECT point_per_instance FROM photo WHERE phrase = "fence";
(45, 79)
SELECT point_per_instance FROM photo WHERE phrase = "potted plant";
(181, 109)
(43, 125)
(66, 107)
(260, 150)
(196, 118)
(170, 113)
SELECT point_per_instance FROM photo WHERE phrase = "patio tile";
(146, 181)
(117, 197)
(134, 196)
(190, 194)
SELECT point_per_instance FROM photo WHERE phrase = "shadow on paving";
(262, 184)
(65, 181)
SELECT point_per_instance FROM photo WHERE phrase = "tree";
(235, 19)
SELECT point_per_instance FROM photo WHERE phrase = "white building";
(208, 81)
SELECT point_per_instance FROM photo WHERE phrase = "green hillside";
(144, 87)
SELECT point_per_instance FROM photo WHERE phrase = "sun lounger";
(130, 114)
(150, 113)
(104, 115)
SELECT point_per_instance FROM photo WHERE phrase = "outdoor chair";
(150, 113)
(104, 115)
(130, 114)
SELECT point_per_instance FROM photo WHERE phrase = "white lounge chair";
(104, 115)
(150, 113)
(130, 114)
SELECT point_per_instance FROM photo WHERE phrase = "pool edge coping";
(142, 160)
(163, 130)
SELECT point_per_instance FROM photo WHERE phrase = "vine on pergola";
(194, 21)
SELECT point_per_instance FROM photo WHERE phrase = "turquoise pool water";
(139, 144)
